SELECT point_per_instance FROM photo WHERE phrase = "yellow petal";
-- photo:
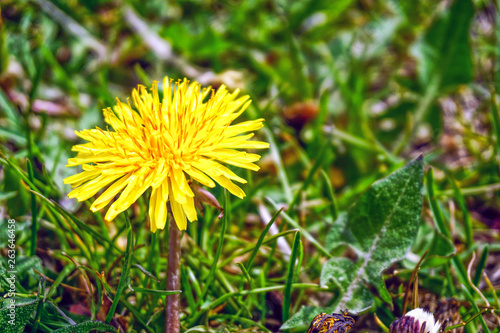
(161, 173)
(234, 155)
(152, 210)
(90, 188)
(243, 127)
(91, 158)
(230, 186)
(110, 193)
(179, 215)
(155, 144)
(190, 210)
(138, 184)
(245, 145)
(155, 208)
(250, 166)
(82, 177)
(181, 180)
(200, 177)
(180, 187)
(158, 207)
(213, 168)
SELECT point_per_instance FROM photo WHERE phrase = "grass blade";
(331, 195)
(58, 209)
(155, 291)
(226, 296)
(125, 271)
(245, 274)
(495, 115)
(436, 212)
(211, 274)
(469, 232)
(34, 220)
(480, 266)
(250, 248)
(261, 239)
(310, 175)
(296, 225)
(287, 294)
(279, 165)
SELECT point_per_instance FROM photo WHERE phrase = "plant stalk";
(172, 308)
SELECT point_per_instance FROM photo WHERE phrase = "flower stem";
(172, 323)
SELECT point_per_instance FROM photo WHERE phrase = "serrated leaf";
(21, 226)
(342, 271)
(445, 50)
(91, 325)
(304, 316)
(339, 271)
(13, 320)
(384, 223)
(339, 234)
(25, 266)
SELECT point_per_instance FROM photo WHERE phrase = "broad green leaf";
(21, 226)
(91, 325)
(304, 316)
(342, 272)
(384, 223)
(14, 319)
(339, 234)
(24, 267)
(445, 50)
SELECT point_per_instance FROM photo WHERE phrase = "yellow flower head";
(165, 145)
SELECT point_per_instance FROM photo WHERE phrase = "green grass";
(351, 91)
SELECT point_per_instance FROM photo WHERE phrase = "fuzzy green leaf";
(384, 223)
(91, 325)
(13, 320)
(304, 316)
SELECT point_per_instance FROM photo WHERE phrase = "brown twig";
(118, 259)
(61, 284)
(413, 275)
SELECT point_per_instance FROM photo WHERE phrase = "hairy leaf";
(384, 223)
(13, 318)
(91, 325)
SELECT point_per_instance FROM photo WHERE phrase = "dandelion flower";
(165, 145)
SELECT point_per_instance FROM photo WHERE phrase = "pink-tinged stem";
(172, 309)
